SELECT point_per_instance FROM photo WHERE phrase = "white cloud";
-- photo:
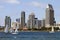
(11, 1)
(36, 4)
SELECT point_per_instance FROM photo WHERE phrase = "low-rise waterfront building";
(2, 28)
(14, 25)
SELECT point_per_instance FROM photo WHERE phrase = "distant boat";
(52, 30)
(6, 29)
(11, 30)
(16, 31)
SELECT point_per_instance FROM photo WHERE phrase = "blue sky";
(13, 8)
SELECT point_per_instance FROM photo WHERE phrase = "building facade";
(49, 21)
(22, 19)
(35, 23)
(39, 24)
(8, 21)
(14, 25)
(18, 20)
(43, 23)
(31, 21)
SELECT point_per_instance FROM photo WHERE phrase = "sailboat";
(6, 29)
(52, 31)
(16, 31)
(11, 30)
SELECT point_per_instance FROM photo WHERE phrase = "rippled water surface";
(30, 36)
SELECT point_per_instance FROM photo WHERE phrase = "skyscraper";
(49, 21)
(31, 21)
(18, 23)
(8, 21)
(43, 23)
(39, 24)
(22, 19)
(35, 23)
(18, 20)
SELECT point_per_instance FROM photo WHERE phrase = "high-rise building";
(39, 24)
(43, 23)
(31, 21)
(8, 21)
(28, 23)
(49, 21)
(18, 20)
(35, 23)
(22, 19)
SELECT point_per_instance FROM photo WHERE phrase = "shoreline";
(30, 31)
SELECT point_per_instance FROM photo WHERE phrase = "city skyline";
(14, 8)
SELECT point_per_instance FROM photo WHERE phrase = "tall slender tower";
(22, 19)
(49, 16)
(8, 21)
(31, 21)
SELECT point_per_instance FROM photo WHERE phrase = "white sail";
(11, 30)
(16, 31)
(6, 29)
(52, 30)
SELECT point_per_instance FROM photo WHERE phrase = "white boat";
(11, 30)
(16, 31)
(6, 29)
(52, 31)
